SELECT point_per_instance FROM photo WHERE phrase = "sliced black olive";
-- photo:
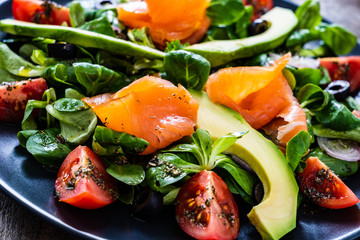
(259, 192)
(340, 89)
(147, 204)
(243, 164)
(258, 26)
(62, 50)
(15, 43)
(102, 4)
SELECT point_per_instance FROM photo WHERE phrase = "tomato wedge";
(14, 96)
(206, 208)
(43, 12)
(323, 187)
(356, 113)
(83, 182)
(344, 68)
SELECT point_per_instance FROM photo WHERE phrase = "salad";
(149, 104)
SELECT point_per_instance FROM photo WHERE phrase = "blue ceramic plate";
(22, 178)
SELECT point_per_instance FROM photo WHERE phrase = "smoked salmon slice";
(262, 96)
(356, 113)
(150, 108)
(184, 20)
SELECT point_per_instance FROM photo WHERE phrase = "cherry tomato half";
(206, 208)
(323, 187)
(43, 12)
(83, 182)
(14, 96)
(344, 68)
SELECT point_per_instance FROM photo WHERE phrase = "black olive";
(102, 4)
(259, 192)
(15, 43)
(62, 50)
(258, 26)
(147, 204)
(243, 164)
(340, 89)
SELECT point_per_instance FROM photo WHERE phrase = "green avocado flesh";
(282, 21)
(276, 214)
(80, 37)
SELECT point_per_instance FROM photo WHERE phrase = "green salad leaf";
(16, 65)
(308, 14)
(107, 142)
(47, 146)
(188, 69)
(297, 148)
(129, 174)
(140, 36)
(340, 40)
(77, 121)
(28, 122)
(225, 12)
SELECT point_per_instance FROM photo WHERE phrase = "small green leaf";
(170, 197)
(24, 135)
(28, 122)
(16, 65)
(224, 142)
(167, 169)
(308, 14)
(97, 79)
(77, 14)
(313, 98)
(127, 173)
(73, 93)
(140, 36)
(221, 144)
(47, 148)
(297, 147)
(188, 69)
(225, 12)
(99, 25)
(69, 105)
(323, 131)
(305, 76)
(203, 141)
(340, 40)
(107, 142)
(187, 148)
(76, 126)
(245, 180)
(302, 36)
(337, 117)
(175, 45)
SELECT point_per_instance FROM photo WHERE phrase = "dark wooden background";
(16, 222)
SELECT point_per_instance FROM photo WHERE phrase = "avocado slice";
(276, 214)
(282, 22)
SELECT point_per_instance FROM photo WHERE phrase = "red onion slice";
(340, 148)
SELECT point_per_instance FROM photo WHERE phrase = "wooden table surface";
(16, 222)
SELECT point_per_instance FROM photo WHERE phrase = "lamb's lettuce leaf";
(107, 142)
(188, 69)
(77, 120)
